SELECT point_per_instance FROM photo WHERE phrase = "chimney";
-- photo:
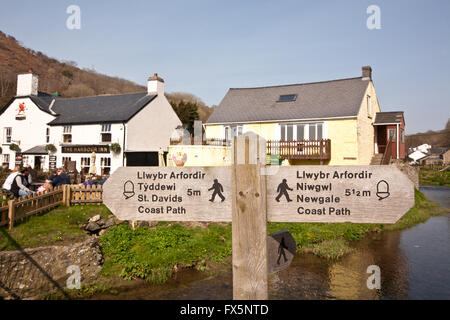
(155, 85)
(367, 73)
(27, 84)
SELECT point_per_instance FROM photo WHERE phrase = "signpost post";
(249, 195)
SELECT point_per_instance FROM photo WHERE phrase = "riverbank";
(429, 176)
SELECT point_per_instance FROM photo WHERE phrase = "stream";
(414, 264)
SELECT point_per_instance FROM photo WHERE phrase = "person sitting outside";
(33, 173)
(89, 181)
(18, 189)
(27, 179)
(9, 180)
(45, 187)
(60, 179)
(101, 182)
(52, 176)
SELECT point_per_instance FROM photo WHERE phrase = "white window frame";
(67, 130)
(85, 162)
(7, 136)
(64, 159)
(106, 129)
(105, 162)
(6, 158)
(369, 106)
(228, 131)
(306, 126)
(47, 135)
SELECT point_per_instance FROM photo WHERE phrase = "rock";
(95, 218)
(93, 227)
(118, 221)
(33, 272)
(102, 232)
(109, 223)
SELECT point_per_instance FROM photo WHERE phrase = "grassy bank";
(156, 253)
(58, 226)
(434, 177)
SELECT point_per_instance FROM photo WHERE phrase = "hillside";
(439, 138)
(65, 77)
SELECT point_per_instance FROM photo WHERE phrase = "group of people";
(19, 181)
(92, 181)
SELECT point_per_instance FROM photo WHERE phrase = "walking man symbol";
(282, 190)
(281, 251)
(218, 189)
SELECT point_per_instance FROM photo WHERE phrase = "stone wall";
(411, 171)
(31, 273)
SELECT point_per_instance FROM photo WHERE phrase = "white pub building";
(122, 130)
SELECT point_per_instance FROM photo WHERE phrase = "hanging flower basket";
(50, 148)
(179, 159)
(115, 147)
(14, 147)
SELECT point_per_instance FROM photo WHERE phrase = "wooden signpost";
(170, 193)
(249, 194)
(358, 194)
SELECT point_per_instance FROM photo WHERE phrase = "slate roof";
(438, 150)
(36, 150)
(388, 117)
(318, 100)
(99, 109)
(96, 109)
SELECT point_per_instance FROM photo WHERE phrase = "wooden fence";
(84, 195)
(19, 209)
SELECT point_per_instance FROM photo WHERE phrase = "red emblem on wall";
(21, 113)
(21, 108)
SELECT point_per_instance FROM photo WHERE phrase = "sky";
(206, 47)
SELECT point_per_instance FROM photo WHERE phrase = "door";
(392, 135)
(37, 163)
(381, 139)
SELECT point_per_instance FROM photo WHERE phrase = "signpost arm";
(249, 226)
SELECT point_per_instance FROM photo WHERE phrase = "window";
(306, 131)
(85, 165)
(106, 133)
(319, 131)
(5, 159)
(369, 107)
(47, 135)
(105, 164)
(391, 134)
(67, 134)
(233, 131)
(300, 132)
(287, 97)
(64, 159)
(402, 136)
(7, 135)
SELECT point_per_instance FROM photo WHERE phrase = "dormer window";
(287, 98)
